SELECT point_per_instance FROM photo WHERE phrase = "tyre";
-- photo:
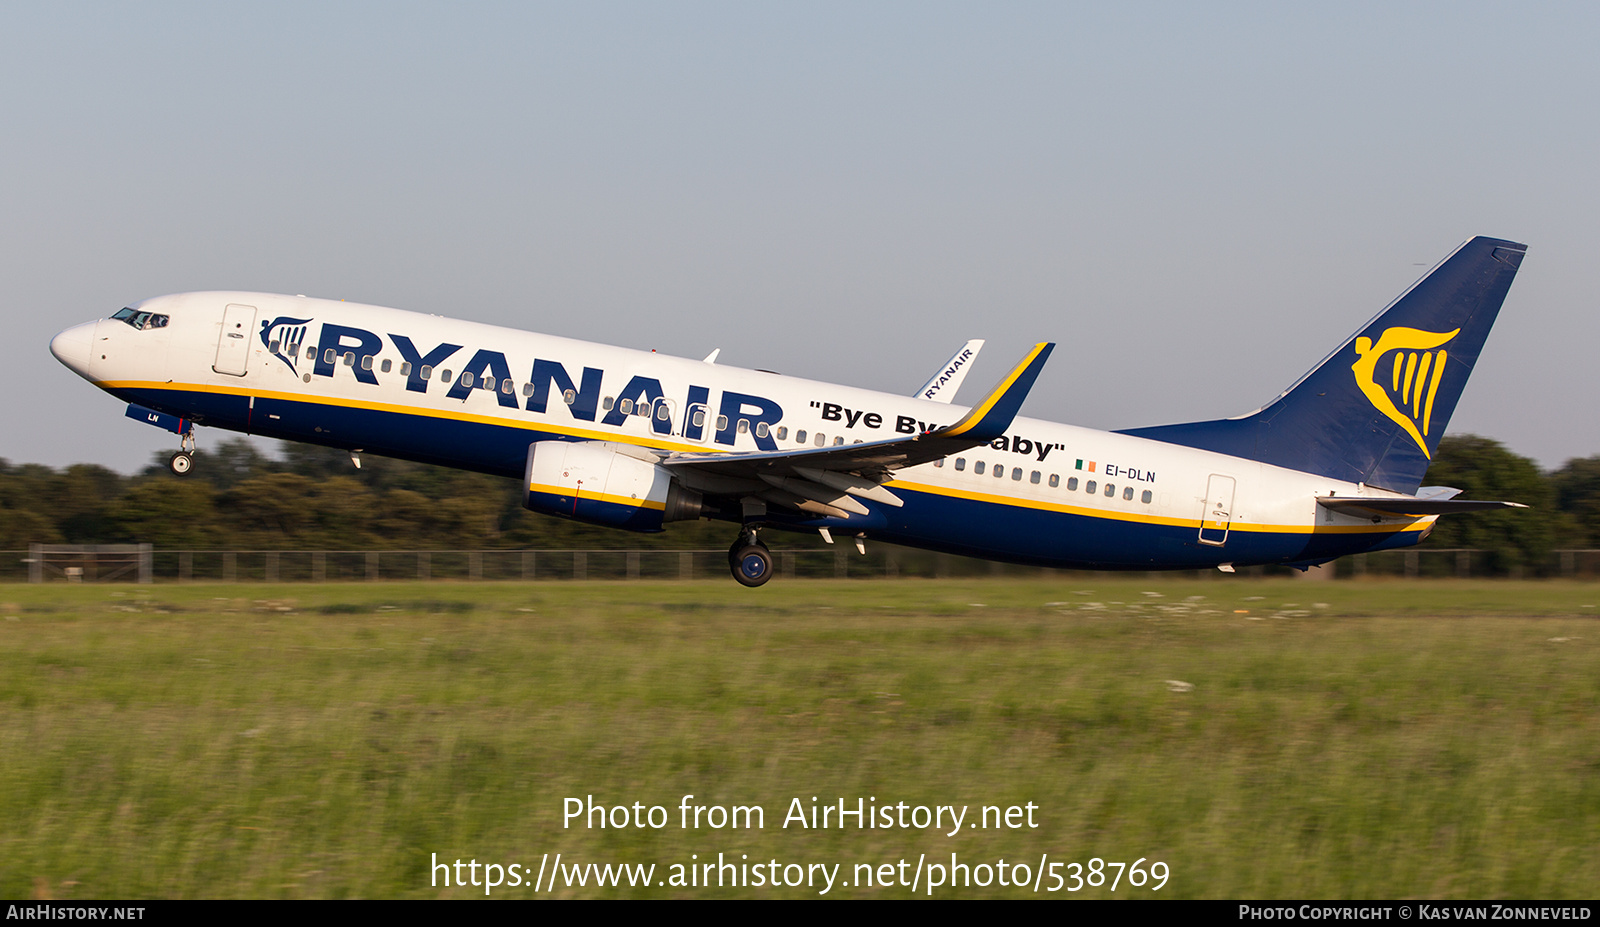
(752, 565)
(181, 463)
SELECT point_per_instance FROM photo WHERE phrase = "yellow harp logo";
(1414, 379)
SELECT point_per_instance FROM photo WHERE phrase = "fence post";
(230, 567)
(372, 566)
(319, 566)
(686, 565)
(1568, 563)
(633, 564)
(527, 565)
(185, 565)
(580, 564)
(271, 572)
(475, 565)
(146, 563)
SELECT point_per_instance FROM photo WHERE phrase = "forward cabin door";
(233, 345)
(1218, 513)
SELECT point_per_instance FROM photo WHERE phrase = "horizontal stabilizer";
(1361, 505)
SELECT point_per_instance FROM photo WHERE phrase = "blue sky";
(1197, 201)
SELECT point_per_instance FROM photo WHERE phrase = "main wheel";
(180, 463)
(752, 565)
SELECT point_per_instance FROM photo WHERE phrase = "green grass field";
(1261, 738)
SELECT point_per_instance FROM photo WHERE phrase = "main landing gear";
(182, 462)
(749, 559)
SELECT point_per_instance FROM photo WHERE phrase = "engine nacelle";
(608, 484)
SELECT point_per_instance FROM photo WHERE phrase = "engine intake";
(606, 484)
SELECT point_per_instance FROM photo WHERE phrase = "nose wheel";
(750, 561)
(181, 463)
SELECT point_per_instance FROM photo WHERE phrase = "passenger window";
(939, 462)
(961, 464)
(1145, 497)
(722, 423)
(1034, 477)
(426, 373)
(527, 389)
(744, 426)
(800, 436)
(567, 396)
(1055, 480)
(783, 432)
(505, 385)
(644, 409)
(977, 467)
(664, 412)
(1127, 494)
(1016, 474)
(387, 365)
(1090, 487)
(699, 418)
(820, 440)
(330, 356)
(488, 382)
(405, 368)
(366, 362)
(1072, 484)
(272, 346)
(311, 354)
(1111, 490)
(627, 407)
(466, 379)
(444, 377)
(838, 441)
(1000, 471)
(607, 403)
(349, 358)
(761, 429)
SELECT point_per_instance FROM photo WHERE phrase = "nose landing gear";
(181, 463)
(749, 560)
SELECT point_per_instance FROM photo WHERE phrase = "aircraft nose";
(72, 347)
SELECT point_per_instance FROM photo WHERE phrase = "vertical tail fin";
(1374, 410)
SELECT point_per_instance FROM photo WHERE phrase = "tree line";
(315, 498)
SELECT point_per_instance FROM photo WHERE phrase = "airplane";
(636, 440)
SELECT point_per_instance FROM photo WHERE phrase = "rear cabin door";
(1218, 513)
(233, 344)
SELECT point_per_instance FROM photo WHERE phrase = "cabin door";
(1218, 513)
(233, 344)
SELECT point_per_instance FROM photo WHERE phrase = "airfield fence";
(142, 563)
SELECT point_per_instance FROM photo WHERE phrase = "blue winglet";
(990, 418)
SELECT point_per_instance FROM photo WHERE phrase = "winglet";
(990, 418)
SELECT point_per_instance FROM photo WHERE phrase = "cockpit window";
(140, 320)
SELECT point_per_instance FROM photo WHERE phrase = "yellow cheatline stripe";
(982, 409)
(1139, 518)
(596, 496)
(397, 409)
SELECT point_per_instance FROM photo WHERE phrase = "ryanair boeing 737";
(633, 439)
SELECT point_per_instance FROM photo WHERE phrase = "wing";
(830, 480)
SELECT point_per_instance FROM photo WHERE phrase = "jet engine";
(609, 484)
